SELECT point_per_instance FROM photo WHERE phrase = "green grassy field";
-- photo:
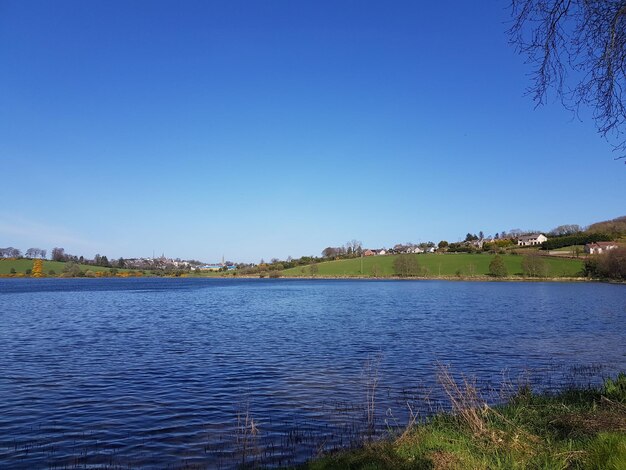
(571, 248)
(437, 265)
(21, 265)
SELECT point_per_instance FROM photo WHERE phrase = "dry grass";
(464, 399)
(371, 376)
(246, 433)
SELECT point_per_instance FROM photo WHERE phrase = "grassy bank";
(22, 266)
(437, 265)
(577, 429)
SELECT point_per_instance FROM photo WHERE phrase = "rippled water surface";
(209, 373)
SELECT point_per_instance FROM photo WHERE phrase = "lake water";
(209, 373)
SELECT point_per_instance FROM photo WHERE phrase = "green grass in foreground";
(21, 265)
(438, 265)
(579, 429)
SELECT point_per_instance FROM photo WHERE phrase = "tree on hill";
(58, 254)
(497, 268)
(10, 252)
(577, 49)
(354, 247)
(35, 253)
(407, 265)
(534, 265)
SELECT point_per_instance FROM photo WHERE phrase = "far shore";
(352, 277)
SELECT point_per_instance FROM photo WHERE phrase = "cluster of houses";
(214, 267)
(399, 249)
(160, 262)
(535, 239)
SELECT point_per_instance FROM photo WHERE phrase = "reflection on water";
(208, 373)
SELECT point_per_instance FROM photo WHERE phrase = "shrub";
(52, 272)
(13, 271)
(37, 268)
(275, 274)
(72, 269)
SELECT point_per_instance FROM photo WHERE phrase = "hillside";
(21, 265)
(451, 264)
(615, 226)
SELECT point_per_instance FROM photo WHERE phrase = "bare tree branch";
(578, 49)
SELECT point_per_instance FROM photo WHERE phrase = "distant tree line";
(10, 252)
(31, 253)
(352, 249)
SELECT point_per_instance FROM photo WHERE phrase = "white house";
(599, 247)
(530, 240)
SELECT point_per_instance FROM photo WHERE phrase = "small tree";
(314, 269)
(407, 265)
(58, 254)
(534, 266)
(497, 268)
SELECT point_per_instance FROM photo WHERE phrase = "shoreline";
(518, 279)
(578, 427)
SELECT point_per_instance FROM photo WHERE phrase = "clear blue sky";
(259, 129)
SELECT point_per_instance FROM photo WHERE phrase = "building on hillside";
(600, 247)
(477, 243)
(369, 253)
(531, 240)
